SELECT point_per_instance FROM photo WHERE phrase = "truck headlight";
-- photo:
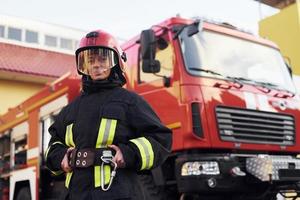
(198, 168)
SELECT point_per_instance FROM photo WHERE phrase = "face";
(96, 62)
(99, 67)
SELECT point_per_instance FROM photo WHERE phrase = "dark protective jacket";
(144, 141)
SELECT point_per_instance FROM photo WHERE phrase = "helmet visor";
(96, 59)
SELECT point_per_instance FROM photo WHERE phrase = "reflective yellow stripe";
(69, 136)
(47, 151)
(142, 153)
(101, 132)
(68, 179)
(105, 137)
(70, 143)
(107, 171)
(146, 152)
(97, 176)
(56, 173)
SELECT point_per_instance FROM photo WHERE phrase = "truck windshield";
(233, 57)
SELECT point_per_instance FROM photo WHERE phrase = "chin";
(99, 77)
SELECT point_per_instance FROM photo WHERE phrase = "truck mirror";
(148, 48)
(148, 44)
(151, 66)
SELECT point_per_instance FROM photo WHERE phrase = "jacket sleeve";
(57, 147)
(152, 142)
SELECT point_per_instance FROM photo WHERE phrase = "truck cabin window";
(234, 57)
(165, 55)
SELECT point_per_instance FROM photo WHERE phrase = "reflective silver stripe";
(146, 152)
(106, 132)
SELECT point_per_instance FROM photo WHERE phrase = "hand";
(65, 161)
(118, 158)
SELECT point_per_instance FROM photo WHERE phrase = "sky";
(127, 18)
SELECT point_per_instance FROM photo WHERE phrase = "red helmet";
(100, 43)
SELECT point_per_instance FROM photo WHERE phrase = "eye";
(102, 58)
(90, 60)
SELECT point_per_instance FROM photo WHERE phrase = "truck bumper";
(234, 173)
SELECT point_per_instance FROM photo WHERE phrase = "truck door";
(161, 89)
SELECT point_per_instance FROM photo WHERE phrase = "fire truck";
(227, 95)
(24, 140)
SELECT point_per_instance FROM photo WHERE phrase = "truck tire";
(24, 194)
(147, 190)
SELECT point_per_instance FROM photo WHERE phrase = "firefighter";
(107, 135)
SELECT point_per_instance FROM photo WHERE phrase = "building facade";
(284, 29)
(32, 54)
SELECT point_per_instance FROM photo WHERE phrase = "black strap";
(83, 158)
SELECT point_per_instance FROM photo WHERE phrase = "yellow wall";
(14, 92)
(284, 29)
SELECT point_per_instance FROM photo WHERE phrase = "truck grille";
(253, 126)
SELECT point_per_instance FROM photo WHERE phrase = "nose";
(99, 68)
(95, 66)
(98, 64)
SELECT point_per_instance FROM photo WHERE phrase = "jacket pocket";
(114, 111)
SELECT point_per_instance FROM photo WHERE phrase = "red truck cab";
(227, 95)
(229, 98)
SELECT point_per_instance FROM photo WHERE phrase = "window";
(5, 152)
(4, 146)
(2, 28)
(241, 58)
(14, 33)
(20, 151)
(164, 54)
(66, 43)
(44, 125)
(50, 41)
(31, 36)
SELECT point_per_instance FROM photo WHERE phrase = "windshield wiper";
(274, 86)
(267, 84)
(254, 83)
(260, 83)
(233, 79)
(206, 71)
(239, 78)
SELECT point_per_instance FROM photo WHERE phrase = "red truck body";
(227, 127)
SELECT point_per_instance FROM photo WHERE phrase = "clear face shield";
(96, 60)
